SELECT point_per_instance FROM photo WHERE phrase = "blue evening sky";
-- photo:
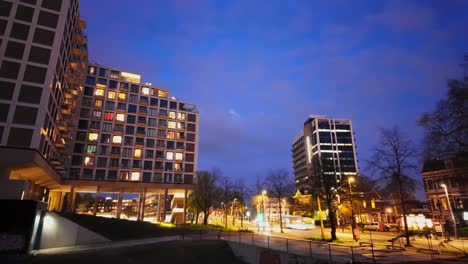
(257, 69)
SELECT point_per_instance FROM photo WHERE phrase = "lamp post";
(233, 212)
(353, 220)
(443, 185)
(263, 209)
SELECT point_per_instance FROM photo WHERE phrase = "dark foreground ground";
(173, 252)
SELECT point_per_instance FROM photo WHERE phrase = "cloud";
(233, 113)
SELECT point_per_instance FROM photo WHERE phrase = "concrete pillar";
(71, 200)
(119, 205)
(141, 209)
(164, 205)
(96, 202)
(185, 206)
(61, 205)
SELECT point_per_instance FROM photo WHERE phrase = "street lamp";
(443, 185)
(263, 209)
(353, 220)
(388, 211)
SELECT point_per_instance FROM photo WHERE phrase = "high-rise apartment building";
(323, 138)
(81, 136)
(42, 65)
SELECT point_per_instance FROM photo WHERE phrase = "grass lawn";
(173, 252)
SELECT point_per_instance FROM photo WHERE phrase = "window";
(34, 74)
(136, 164)
(135, 176)
(124, 86)
(178, 178)
(108, 116)
(158, 165)
(161, 133)
(143, 100)
(89, 161)
(112, 174)
(181, 116)
(101, 82)
(112, 84)
(125, 164)
(180, 125)
(101, 174)
(124, 175)
(99, 92)
(162, 123)
(149, 154)
(102, 72)
(101, 163)
(178, 167)
(121, 106)
(122, 96)
(128, 141)
(167, 177)
(118, 127)
(158, 177)
(151, 132)
(169, 155)
(114, 74)
(103, 150)
(145, 90)
(115, 150)
(154, 102)
(180, 135)
(140, 141)
(172, 114)
(24, 13)
(106, 127)
(134, 88)
(142, 120)
(160, 144)
(111, 94)
(162, 93)
(91, 148)
(105, 138)
(93, 136)
(179, 156)
(170, 145)
(148, 165)
(146, 177)
(110, 105)
(137, 153)
(140, 130)
(15, 50)
(127, 152)
(172, 124)
(143, 109)
(98, 103)
(163, 103)
(97, 114)
(133, 99)
(120, 117)
(117, 139)
(24, 115)
(131, 119)
(132, 108)
(153, 112)
(76, 160)
(150, 143)
(170, 134)
(159, 154)
(173, 105)
(152, 122)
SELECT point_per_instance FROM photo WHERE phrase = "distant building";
(454, 174)
(324, 138)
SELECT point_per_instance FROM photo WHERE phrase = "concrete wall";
(254, 255)
(61, 232)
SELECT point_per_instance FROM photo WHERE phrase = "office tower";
(42, 65)
(323, 139)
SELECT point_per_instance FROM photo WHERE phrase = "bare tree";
(241, 192)
(205, 192)
(279, 185)
(394, 159)
(226, 192)
(447, 125)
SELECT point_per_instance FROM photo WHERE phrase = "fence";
(365, 252)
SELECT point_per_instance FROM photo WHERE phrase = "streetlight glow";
(443, 185)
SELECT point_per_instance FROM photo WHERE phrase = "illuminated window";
(180, 135)
(114, 74)
(124, 175)
(93, 136)
(122, 96)
(170, 134)
(97, 113)
(172, 124)
(145, 90)
(178, 167)
(169, 155)
(172, 115)
(92, 70)
(117, 139)
(99, 92)
(162, 93)
(181, 125)
(135, 176)
(111, 94)
(91, 148)
(179, 156)
(89, 161)
(130, 77)
(181, 116)
(98, 103)
(137, 153)
(120, 117)
(108, 116)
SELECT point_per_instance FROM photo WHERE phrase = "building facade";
(42, 65)
(454, 174)
(323, 138)
(78, 136)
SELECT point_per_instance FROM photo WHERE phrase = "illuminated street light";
(443, 185)
(353, 220)
(388, 211)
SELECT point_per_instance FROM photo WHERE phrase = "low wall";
(61, 232)
(258, 255)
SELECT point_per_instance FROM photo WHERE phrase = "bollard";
(268, 242)
(310, 248)
(287, 246)
(329, 252)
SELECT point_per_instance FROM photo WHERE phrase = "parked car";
(373, 226)
(391, 226)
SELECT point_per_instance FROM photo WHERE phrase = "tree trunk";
(403, 208)
(205, 217)
(280, 218)
(242, 216)
(197, 215)
(225, 215)
(331, 216)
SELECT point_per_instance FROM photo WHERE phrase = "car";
(390, 226)
(372, 226)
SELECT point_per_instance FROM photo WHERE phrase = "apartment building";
(42, 65)
(323, 138)
(74, 135)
